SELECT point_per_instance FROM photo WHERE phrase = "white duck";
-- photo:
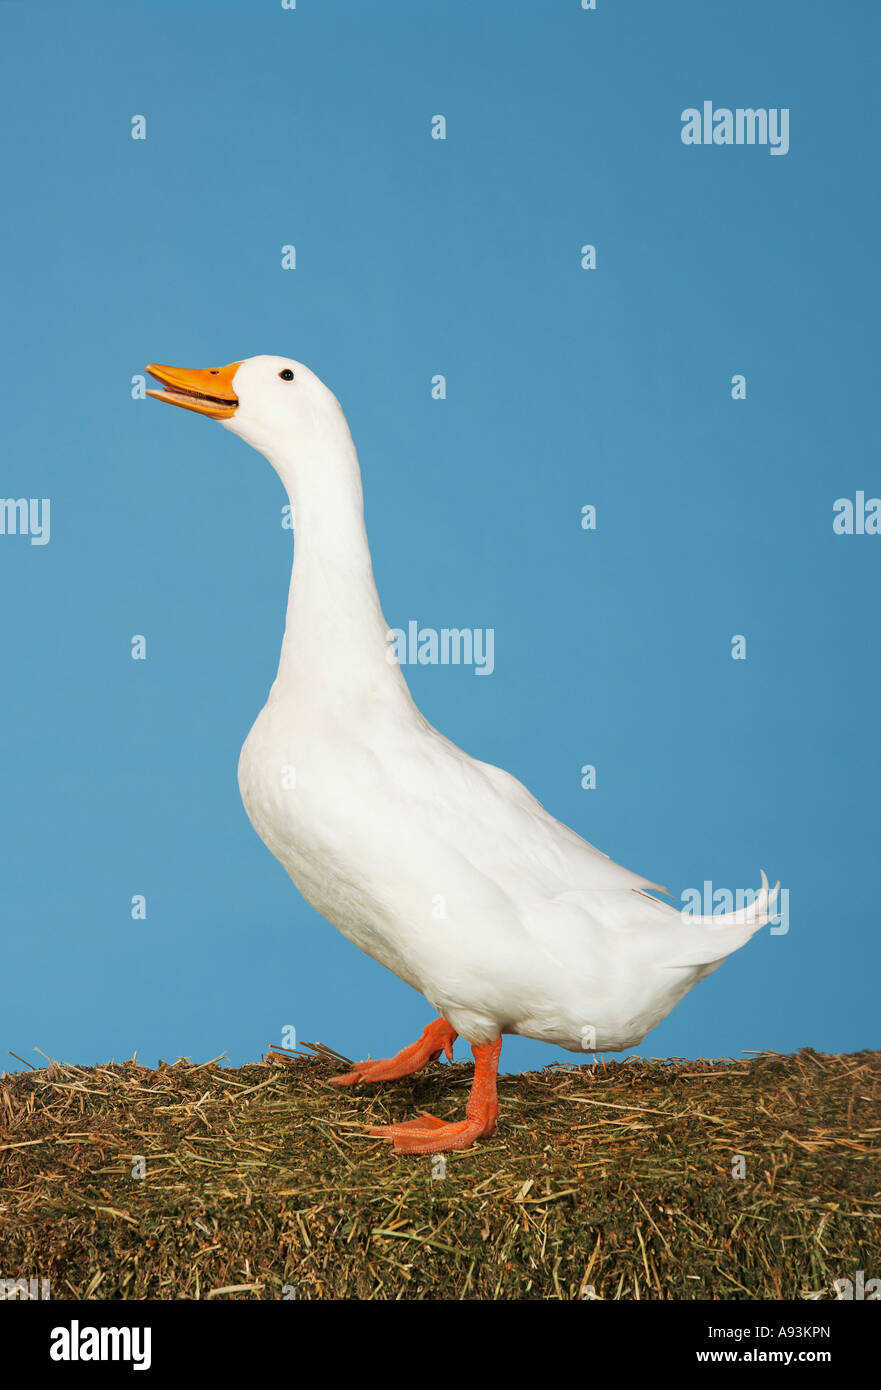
(377, 817)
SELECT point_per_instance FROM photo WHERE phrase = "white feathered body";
(443, 868)
(448, 872)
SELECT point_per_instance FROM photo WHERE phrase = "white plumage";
(442, 867)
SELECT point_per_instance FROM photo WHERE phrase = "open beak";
(207, 390)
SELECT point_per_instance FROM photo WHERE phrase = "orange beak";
(207, 390)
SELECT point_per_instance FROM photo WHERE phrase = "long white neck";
(335, 649)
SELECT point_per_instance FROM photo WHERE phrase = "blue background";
(565, 387)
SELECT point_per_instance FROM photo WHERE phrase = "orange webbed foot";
(429, 1135)
(422, 1122)
(417, 1137)
(438, 1037)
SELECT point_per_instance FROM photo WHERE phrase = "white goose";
(544, 935)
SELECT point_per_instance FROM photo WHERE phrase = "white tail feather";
(706, 941)
(760, 908)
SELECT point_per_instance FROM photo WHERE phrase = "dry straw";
(613, 1180)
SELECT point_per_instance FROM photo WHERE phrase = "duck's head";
(268, 401)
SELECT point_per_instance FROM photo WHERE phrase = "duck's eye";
(287, 374)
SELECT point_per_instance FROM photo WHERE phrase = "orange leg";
(429, 1135)
(438, 1037)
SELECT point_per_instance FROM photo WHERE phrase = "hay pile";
(615, 1178)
